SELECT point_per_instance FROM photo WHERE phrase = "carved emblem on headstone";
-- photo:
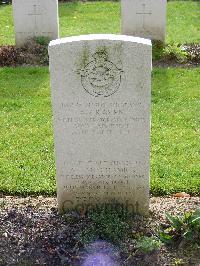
(101, 77)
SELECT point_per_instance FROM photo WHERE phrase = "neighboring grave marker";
(34, 18)
(101, 95)
(144, 18)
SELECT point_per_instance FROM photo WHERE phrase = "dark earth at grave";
(33, 233)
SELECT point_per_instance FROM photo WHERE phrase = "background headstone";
(144, 18)
(101, 90)
(33, 18)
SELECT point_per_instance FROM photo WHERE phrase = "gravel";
(33, 233)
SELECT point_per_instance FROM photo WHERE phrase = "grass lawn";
(104, 17)
(26, 141)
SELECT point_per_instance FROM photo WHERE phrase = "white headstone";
(144, 18)
(33, 18)
(101, 95)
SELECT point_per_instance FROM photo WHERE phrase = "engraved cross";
(35, 14)
(143, 13)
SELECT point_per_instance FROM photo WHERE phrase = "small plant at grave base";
(107, 224)
(148, 244)
(42, 40)
(182, 230)
(158, 49)
(36, 50)
(175, 52)
(178, 262)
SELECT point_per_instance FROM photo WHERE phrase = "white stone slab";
(101, 95)
(34, 18)
(144, 18)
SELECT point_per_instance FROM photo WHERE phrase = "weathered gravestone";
(33, 18)
(144, 18)
(101, 87)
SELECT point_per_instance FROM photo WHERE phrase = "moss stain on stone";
(102, 51)
(84, 57)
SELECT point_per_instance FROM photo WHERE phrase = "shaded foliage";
(182, 230)
(34, 52)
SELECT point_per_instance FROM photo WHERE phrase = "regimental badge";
(100, 77)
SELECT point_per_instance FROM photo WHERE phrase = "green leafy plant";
(42, 40)
(175, 52)
(105, 223)
(158, 50)
(148, 244)
(182, 230)
(178, 261)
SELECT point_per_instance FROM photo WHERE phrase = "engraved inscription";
(35, 13)
(100, 77)
(101, 118)
(144, 13)
(89, 177)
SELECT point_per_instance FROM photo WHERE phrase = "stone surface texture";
(101, 95)
(144, 18)
(33, 18)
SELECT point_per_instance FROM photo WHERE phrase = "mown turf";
(104, 17)
(87, 18)
(183, 22)
(26, 141)
(175, 131)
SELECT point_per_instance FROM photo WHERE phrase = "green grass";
(27, 163)
(26, 141)
(86, 18)
(175, 131)
(183, 22)
(104, 17)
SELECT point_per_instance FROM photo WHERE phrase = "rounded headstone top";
(111, 37)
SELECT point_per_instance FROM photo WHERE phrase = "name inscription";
(101, 118)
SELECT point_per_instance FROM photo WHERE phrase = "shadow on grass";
(71, 8)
